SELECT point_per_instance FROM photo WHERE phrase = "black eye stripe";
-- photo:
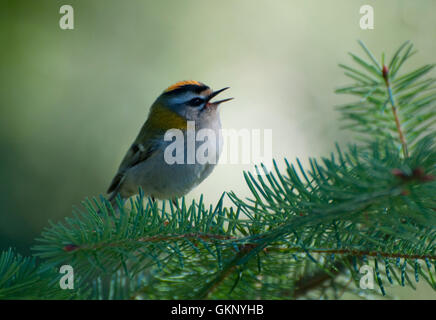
(195, 102)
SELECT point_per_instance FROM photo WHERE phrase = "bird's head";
(191, 100)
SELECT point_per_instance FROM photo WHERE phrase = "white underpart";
(165, 181)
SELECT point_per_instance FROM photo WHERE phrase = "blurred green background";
(72, 101)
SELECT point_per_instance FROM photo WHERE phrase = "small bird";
(144, 164)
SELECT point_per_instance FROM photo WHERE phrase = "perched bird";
(145, 165)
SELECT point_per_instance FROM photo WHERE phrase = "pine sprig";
(21, 278)
(410, 96)
(303, 233)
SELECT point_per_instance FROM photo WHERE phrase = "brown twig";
(305, 284)
(358, 253)
(231, 266)
(247, 247)
(394, 111)
(157, 238)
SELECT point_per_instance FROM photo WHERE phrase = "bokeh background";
(72, 101)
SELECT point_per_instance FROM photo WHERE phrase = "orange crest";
(183, 83)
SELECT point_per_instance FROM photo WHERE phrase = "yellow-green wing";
(159, 121)
(143, 147)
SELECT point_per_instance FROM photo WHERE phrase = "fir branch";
(411, 98)
(21, 278)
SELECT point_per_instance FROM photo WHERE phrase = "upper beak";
(215, 93)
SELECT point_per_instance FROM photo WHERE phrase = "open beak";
(215, 93)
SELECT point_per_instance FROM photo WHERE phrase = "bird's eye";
(195, 102)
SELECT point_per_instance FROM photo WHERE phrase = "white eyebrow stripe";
(185, 97)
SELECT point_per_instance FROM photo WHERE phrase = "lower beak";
(221, 101)
(215, 93)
